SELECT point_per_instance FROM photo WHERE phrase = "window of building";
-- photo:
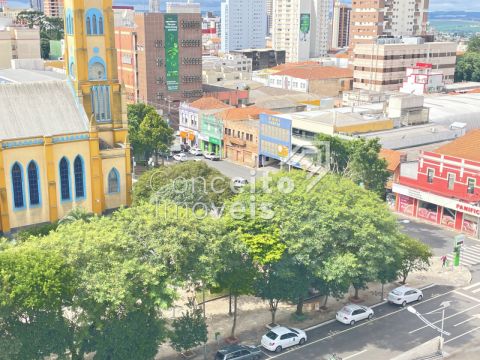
(94, 22)
(89, 26)
(113, 181)
(101, 103)
(64, 179)
(17, 187)
(33, 184)
(430, 174)
(451, 181)
(471, 186)
(79, 176)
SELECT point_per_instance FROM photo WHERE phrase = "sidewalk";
(253, 313)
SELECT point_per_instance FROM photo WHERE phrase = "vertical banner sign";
(171, 51)
(304, 26)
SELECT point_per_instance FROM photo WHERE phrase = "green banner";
(214, 141)
(171, 51)
(304, 25)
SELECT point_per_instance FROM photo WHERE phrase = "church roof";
(40, 108)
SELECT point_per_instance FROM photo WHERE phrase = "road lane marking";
(463, 322)
(351, 356)
(459, 336)
(264, 353)
(475, 291)
(362, 324)
(448, 317)
(467, 296)
(471, 286)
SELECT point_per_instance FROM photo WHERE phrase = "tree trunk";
(404, 278)
(325, 302)
(230, 303)
(273, 312)
(299, 311)
(273, 309)
(356, 293)
(232, 335)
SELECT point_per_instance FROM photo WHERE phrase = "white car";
(281, 337)
(196, 151)
(404, 295)
(352, 313)
(240, 182)
(211, 156)
(180, 157)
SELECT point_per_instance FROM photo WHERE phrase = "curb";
(373, 306)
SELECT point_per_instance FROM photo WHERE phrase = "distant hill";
(454, 15)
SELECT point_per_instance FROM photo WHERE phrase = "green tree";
(415, 256)
(358, 159)
(468, 67)
(189, 330)
(184, 183)
(474, 44)
(136, 113)
(156, 134)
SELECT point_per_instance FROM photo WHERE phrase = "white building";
(406, 18)
(188, 7)
(154, 6)
(300, 27)
(243, 24)
(422, 79)
(227, 67)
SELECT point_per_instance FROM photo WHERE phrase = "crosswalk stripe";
(475, 251)
(471, 286)
(469, 257)
(469, 262)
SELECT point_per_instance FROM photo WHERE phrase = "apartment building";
(243, 24)
(300, 27)
(382, 66)
(340, 25)
(227, 67)
(371, 19)
(53, 8)
(263, 58)
(18, 43)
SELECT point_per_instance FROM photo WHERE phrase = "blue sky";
(435, 5)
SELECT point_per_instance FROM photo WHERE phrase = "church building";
(64, 144)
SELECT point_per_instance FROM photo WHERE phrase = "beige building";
(18, 43)
(382, 66)
(371, 19)
(53, 8)
(227, 67)
(340, 25)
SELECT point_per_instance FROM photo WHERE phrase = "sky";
(435, 5)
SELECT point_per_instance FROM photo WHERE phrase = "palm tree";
(76, 214)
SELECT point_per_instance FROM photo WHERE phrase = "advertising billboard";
(171, 52)
(304, 27)
(275, 138)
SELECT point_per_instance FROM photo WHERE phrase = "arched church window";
(100, 26)
(94, 25)
(78, 171)
(33, 184)
(89, 28)
(113, 181)
(17, 186)
(64, 179)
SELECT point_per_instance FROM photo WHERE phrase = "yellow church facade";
(64, 144)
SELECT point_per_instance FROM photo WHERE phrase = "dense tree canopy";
(468, 65)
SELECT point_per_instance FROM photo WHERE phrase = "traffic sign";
(459, 240)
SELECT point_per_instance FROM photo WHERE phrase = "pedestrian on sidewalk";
(444, 260)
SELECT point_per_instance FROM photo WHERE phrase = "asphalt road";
(394, 330)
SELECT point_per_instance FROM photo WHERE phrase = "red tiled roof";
(317, 72)
(208, 103)
(244, 113)
(393, 158)
(287, 66)
(465, 147)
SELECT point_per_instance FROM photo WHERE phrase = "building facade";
(421, 79)
(18, 43)
(382, 66)
(371, 19)
(211, 134)
(69, 148)
(243, 24)
(275, 139)
(53, 8)
(263, 58)
(444, 189)
(169, 60)
(301, 27)
(154, 6)
(340, 25)
(227, 67)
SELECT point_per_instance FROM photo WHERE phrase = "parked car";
(281, 337)
(238, 352)
(352, 313)
(211, 156)
(404, 295)
(180, 157)
(196, 151)
(176, 148)
(240, 182)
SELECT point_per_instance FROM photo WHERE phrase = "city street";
(394, 330)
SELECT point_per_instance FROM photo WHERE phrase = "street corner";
(448, 275)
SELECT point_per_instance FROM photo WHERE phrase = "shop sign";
(215, 141)
(469, 209)
(203, 137)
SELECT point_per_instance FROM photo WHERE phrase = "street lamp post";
(442, 332)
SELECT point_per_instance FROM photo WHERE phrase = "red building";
(445, 188)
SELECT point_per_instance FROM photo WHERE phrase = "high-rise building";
(382, 66)
(3, 4)
(300, 27)
(371, 19)
(53, 8)
(269, 16)
(243, 24)
(340, 25)
(154, 6)
(36, 4)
